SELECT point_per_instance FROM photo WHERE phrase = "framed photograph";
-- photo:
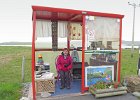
(94, 74)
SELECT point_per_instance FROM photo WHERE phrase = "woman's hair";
(65, 49)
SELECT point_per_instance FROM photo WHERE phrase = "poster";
(93, 74)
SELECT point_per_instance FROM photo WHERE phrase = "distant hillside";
(129, 43)
(16, 43)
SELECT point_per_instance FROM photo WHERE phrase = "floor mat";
(75, 88)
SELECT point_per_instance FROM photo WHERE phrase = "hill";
(16, 43)
(128, 43)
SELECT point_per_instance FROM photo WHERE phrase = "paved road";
(91, 97)
(86, 96)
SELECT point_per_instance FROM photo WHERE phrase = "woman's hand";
(66, 65)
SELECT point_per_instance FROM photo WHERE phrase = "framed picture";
(94, 74)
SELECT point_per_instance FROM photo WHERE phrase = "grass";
(10, 71)
(10, 91)
(11, 61)
(129, 65)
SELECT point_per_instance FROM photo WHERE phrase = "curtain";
(43, 28)
(62, 29)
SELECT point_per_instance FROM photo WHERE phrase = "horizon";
(31, 41)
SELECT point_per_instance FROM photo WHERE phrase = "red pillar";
(83, 55)
(120, 52)
(33, 56)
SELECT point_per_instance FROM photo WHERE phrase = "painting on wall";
(94, 74)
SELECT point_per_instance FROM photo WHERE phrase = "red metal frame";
(63, 10)
(33, 56)
(120, 53)
(78, 12)
(83, 56)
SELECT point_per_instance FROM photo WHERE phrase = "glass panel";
(102, 42)
(102, 33)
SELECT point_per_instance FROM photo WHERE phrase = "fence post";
(23, 64)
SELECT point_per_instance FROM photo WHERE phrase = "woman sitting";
(64, 65)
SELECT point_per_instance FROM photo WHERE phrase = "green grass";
(10, 91)
(129, 65)
(10, 71)
(11, 61)
(12, 50)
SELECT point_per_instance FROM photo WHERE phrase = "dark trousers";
(65, 78)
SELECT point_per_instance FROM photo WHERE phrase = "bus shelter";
(97, 35)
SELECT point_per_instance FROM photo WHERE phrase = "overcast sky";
(16, 22)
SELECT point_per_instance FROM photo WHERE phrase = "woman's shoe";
(62, 87)
(68, 87)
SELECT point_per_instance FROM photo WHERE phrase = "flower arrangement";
(103, 89)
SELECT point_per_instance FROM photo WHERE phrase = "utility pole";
(134, 5)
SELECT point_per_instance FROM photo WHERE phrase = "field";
(11, 61)
(10, 71)
(129, 65)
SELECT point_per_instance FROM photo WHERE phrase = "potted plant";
(103, 89)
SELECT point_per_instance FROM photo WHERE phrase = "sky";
(16, 15)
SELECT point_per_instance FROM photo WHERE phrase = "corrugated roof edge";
(64, 10)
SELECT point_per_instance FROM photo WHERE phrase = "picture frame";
(94, 74)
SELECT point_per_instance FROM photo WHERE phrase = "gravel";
(25, 90)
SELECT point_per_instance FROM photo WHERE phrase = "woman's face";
(65, 52)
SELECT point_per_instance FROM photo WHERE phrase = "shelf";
(102, 51)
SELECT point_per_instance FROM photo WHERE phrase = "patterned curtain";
(54, 32)
(54, 35)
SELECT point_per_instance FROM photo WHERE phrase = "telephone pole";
(134, 5)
